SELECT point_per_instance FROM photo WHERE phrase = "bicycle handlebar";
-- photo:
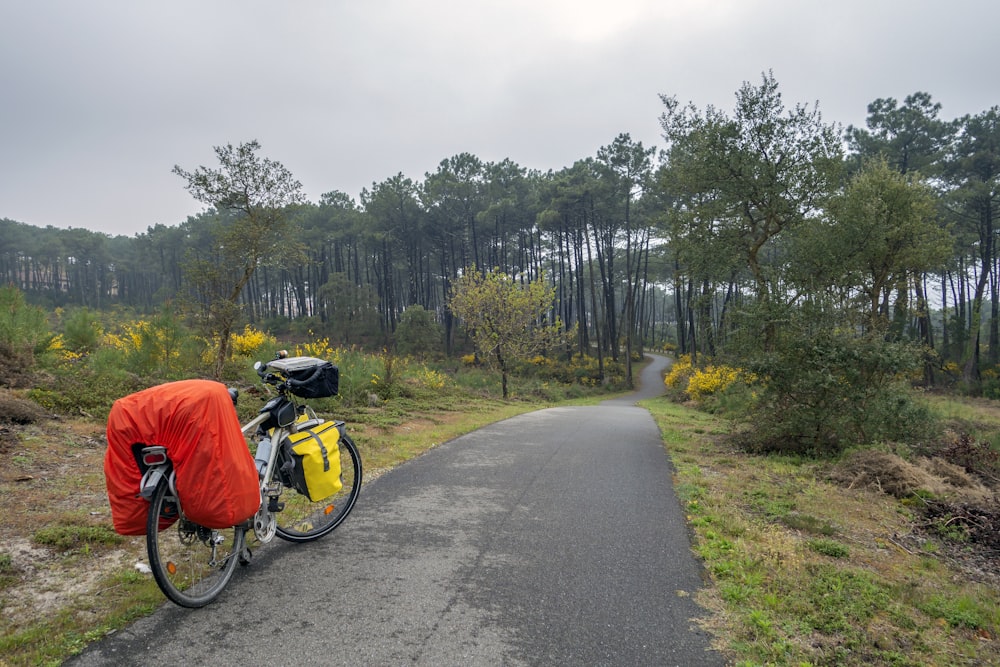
(268, 378)
(277, 381)
(294, 384)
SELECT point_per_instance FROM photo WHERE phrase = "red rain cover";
(196, 421)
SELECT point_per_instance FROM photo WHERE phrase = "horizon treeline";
(707, 243)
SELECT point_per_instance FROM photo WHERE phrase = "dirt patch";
(52, 474)
(49, 581)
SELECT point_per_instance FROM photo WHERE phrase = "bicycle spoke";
(191, 563)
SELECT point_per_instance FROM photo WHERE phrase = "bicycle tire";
(302, 520)
(186, 566)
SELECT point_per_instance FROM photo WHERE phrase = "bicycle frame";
(264, 523)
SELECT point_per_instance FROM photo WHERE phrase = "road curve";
(552, 538)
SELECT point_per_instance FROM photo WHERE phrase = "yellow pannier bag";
(312, 461)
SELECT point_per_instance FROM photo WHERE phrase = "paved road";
(552, 538)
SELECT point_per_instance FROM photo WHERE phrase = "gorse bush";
(250, 344)
(158, 347)
(684, 381)
(319, 348)
(676, 381)
(428, 378)
(711, 381)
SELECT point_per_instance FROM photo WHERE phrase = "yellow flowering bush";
(699, 383)
(57, 346)
(711, 380)
(142, 337)
(586, 370)
(680, 373)
(146, 346)
(131, 337)
(248, 343)
(429, 378)
(539, 360)
(319, 348)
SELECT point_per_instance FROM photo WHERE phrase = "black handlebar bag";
(308, 377)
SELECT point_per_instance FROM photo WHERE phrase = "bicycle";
(192, 564)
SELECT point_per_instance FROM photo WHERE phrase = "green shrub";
(82, 330)
(84, 390)
(828, 547)
(418, 334)
(833, 391)
(24, 333)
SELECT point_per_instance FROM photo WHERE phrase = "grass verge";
(805, 572)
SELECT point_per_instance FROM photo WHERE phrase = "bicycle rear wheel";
(191, 563)
(303, 520)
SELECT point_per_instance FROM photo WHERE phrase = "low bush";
(83, 390)
(834, 391)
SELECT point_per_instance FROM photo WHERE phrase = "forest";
(748, 231)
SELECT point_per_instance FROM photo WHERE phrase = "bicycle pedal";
(274, 506)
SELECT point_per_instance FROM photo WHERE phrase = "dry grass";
(814, 563)
(899, 478)
(51, 478)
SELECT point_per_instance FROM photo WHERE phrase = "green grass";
(807, 573)
(125, 596)
(75, 537)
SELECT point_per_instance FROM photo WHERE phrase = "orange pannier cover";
(196, 422)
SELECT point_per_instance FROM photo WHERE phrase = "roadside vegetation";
(883, 554)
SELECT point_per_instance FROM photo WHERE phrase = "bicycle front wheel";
(191, 563)
(302, 520)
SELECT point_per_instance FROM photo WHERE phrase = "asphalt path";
(552, 538)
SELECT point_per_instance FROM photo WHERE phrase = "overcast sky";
(99, 99)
